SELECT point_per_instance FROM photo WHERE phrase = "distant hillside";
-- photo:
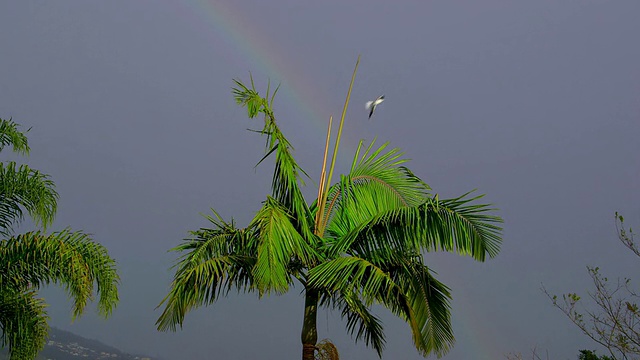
(64, 345)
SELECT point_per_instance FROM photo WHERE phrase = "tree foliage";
(583, 355)
(36, 258)
(360, 243)
(612, 319)
(591, 355)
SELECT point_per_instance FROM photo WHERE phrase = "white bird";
(371, 105)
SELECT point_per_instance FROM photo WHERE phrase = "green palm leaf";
(287, 173)
(370, 282)
(278, 243)
(430, 302)
(377, 182)
(24, 188)
(446, 225)
(23, 321)
(361, 323)
(70, 258)
(215, 261)
(10, 135)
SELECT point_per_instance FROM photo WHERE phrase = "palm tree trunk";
(309, 330)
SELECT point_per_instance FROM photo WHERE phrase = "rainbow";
(265, 59)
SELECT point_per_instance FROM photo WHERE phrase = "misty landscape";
(64, 345)
(207, 179)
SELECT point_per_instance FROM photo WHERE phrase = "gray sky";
(534, 103)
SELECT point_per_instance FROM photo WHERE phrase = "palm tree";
(36, 258)
(361, 242)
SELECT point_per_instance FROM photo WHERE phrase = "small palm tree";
(361, 242)
(30, 260)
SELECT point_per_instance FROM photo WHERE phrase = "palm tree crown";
(361, 243)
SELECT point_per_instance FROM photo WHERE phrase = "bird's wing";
(371, 112)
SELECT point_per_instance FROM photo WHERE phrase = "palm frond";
(66, 257)
(24, 188)
(214, 261)
(256, 104)
(361, 323)
(279, 242)
(408, 290)
(475, 231)
(10, 135)
(287, 175)
(369, 283)
(377, 182)
(430, 302)
(23, 323)
(448, 225)
(248, 98)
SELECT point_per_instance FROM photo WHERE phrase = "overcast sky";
(535, 103)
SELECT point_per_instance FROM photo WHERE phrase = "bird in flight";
(371, 105)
